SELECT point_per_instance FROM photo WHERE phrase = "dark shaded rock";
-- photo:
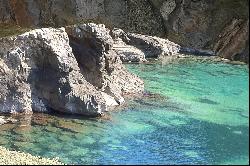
(92, 44)
(233, 43)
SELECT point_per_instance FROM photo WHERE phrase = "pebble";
(8, 157)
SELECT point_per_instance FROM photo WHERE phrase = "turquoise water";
(200, 116)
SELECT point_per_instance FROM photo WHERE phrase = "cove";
(200, 115)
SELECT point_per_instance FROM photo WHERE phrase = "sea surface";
(198, 114)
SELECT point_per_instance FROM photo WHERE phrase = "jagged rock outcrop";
(133, 47)
(101, 66)
(233, 43)
(190, 23)
(127, 53)
(152, 46)
(40, 72)
(197, 24)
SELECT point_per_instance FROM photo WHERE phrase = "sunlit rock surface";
(39, 72)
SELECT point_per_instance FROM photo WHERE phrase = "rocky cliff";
(75, 72)
(77, 69)
(199, 24)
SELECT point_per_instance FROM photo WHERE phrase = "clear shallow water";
(200, 117)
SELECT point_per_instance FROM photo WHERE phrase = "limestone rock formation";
(39, 71)
(127, 53)
(198, 24)
(132, 47)
(153, 46)
(193, 24)
(101, 66)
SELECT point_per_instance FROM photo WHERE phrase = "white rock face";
(39, 71)
(127, 53)
(2, 120)
(43, 74)
(154, 46)
(110, 101)
(133, 47)
(37, 62)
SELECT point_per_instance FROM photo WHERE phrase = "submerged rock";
(40, 72)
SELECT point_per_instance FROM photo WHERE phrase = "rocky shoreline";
(77, 69)
(49, 70)
(8, 157)
(74, 70)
